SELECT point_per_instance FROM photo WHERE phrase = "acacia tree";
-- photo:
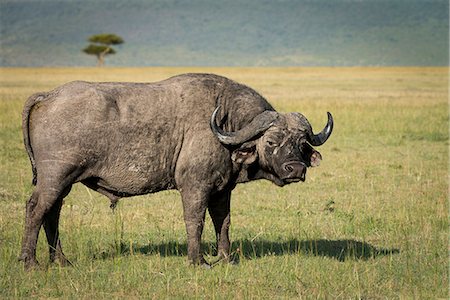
(100, 46)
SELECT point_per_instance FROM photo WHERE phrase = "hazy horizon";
(232, 33)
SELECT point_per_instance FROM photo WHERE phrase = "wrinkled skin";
(127, 139)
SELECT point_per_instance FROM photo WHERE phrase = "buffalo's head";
(281, 144)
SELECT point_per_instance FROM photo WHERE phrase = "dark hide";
(127, 139)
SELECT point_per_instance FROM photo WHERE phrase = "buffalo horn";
(321, 137)
(259, 124)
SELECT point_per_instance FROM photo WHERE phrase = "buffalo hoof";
(62, 261)
(29, 264)
(201, 262)
(225, 260)
(206, 266)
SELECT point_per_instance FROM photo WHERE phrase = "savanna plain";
(371, 222)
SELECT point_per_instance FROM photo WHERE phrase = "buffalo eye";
(271, 143)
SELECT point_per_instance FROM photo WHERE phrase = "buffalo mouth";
(285, 181)
(292, 180)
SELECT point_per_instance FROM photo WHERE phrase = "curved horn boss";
(259, 124)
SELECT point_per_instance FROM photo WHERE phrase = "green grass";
(371, 222)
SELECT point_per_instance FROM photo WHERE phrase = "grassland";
(370, 223)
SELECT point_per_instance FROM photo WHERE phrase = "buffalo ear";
(315, 159)
(311, 156)
(245, 154)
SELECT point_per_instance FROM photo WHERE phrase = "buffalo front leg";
(194, 209)
(219, 210)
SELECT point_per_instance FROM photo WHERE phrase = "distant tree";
(100, 46)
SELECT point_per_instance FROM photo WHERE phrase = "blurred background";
(227, 33)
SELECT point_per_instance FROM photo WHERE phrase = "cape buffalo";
(198, 133)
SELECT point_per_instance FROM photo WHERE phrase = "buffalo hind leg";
(42, 207)
(33, 223)
(25, 251)
(51, 224)
(219, 210)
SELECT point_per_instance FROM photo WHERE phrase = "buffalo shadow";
(340, 250)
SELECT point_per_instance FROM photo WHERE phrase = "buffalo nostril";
(289, 168)
(294, 171)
